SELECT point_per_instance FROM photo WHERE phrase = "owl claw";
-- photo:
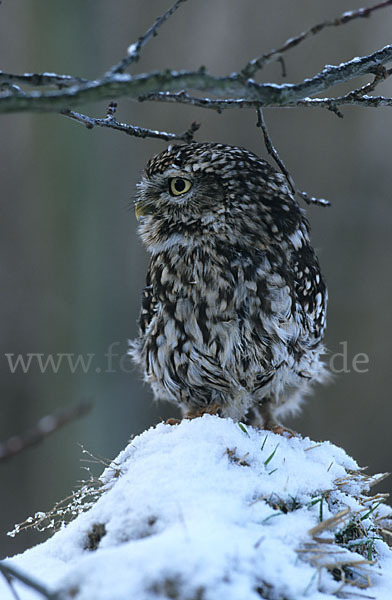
(280, 430)
(213, 409)
(173, 421)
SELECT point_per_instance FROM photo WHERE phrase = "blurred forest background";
(72, 267)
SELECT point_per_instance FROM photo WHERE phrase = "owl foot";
(173, 421)
(280, 430)
(213, 409)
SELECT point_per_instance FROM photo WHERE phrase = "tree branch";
(8, 579)
(258, 63)
(141, 132)
(358, 96)
(41, 79)
(45, 426)
(14, 573)
(275, 155)
(134, 87)
(331, 103)
(236, 90)
(133, 53)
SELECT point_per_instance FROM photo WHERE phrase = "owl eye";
(179, 185)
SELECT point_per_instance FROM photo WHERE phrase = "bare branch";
(8, 579)
(258, 63)
(275, 155)
(182, 97)
(133, 87)
(236, 90)
(12, 87)
(41, 79)
(358, 96)
(332, 103)
(272, 151)
(134, 49)
(45, 426)
(141, 132)
(12, 572)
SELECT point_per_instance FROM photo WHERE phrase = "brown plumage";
(233, 312)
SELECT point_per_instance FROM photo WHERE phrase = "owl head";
(199, 190)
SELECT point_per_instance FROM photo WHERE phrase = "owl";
(234, 309)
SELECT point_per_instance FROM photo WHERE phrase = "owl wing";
(149, 304)
(310, 291)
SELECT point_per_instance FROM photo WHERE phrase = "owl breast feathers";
(233, 312)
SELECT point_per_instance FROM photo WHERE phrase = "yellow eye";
(179, 186)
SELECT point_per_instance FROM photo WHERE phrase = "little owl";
(233, 312)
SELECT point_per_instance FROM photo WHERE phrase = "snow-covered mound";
(209, 510)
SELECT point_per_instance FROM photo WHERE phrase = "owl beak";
(138, 210)
(142, 210)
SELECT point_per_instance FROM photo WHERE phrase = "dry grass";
(79, 501)
(345, 544)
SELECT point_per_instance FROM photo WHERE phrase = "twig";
(273, 152)
(258, 63)
(358, 96)
(96, 459)
(182, 97)
(332, 103)
(134, 49)
(8, 579)
(41, 79)
(45, 426)
(220, 104)
(141, 132)
(13, 572)
(12, 87)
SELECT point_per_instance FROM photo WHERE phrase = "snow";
(133, 49)
(209, 510)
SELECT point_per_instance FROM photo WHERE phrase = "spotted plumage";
(233, 312)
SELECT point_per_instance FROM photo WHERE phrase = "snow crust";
(205, 510)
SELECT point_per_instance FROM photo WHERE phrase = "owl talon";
(214, 409)
(173, 421)
(280, 430)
